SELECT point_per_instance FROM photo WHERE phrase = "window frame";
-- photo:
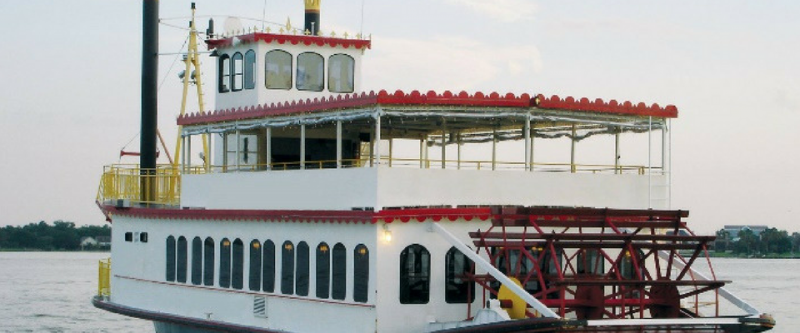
(182, 260)
(197, 261)
(268, 268)
(209, 261)
(352, 73)
(291, 70)
(171, 258)
(224, 75)
(287, 268)
(361, 273)
(321, 67)
(339, 272)
(250, 75)
(323, 271)
(254, 279)
(237, 76)
(225, 263)
(421, 275)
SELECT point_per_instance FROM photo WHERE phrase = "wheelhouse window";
(208, 262)
(323, 270)
(302, 269)
(225, 263)
(339, 285)
(182, 260)
(224, 73)
(310, 72)
(591, 262)
(278, 70)
(170, 259)
(238, 264)
(255, 265)
(415, 273)
(129, 236)
(287, 268)
(238, 72)
(269, 267)
(361, 274)
(458, 289)
(250, 69)
(242, 153)
(341, 69)
(197, 261)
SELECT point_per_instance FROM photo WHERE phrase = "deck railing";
(121, 184)
(104, 278)
(124, 182)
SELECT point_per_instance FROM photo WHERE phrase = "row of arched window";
(330, 273)
(237, 72)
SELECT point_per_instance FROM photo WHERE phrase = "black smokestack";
(147, 147)
(312, 16)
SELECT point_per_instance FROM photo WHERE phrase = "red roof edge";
(290, 39)
(612, 106)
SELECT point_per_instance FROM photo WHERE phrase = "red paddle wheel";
(599, 263)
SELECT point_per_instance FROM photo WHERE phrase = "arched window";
(341, 68)
(250, 69)
(225, 263)
(310, 72)
(224, 73)
(182, 259)
(208, 262)
(278, 70)
(171, 258)
(238, 264)
(197, 261)
(255, 265)
(323, 271)
(238, 72)
(458, 289)
(360, 273)
(269, 267)
(339, 285)
(415, 275)
(287, 268)
(591, 262)
(302, 269)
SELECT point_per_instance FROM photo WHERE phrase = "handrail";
(124, 182)
(104, 277)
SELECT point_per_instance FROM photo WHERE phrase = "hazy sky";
(69, 94)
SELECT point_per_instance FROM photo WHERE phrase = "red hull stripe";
(415, 98)
(291, 39)
(306, 216)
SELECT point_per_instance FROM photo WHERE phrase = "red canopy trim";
(291, 39)
(305, 216)
(343, 101)
(641, 109)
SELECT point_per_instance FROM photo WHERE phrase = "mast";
(148, 141)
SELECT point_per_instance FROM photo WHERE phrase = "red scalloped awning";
(290, 39)
(430, 98)
(306, 216)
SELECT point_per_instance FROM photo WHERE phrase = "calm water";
(51, 292)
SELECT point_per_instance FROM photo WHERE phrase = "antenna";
(362, 18)
(264, 15)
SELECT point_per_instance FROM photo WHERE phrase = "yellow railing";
(104, 277)
(124, 182)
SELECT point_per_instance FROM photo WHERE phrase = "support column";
(238, 149)
(224, 151)
(663, 147)
(427, 156)
(302, 147)
(572, 167)
(533, 147)
(422, 153)
(391, 144)
(210, 151)
(444, 143)
(269, 148)
(526, 133)
(494, 150)
(189, 152)
(183, 154)
(378, 137)
(458, 145)
(338, 144)
(617, 155)
(650, 162)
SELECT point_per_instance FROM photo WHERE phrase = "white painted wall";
(139, 274)
(261, 95)
(343, 189)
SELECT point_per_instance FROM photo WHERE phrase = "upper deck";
(379, 150)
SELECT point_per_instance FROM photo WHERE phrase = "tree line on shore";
(60, 236)
(771, 241)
